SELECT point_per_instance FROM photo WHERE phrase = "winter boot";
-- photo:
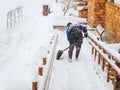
(70, 54)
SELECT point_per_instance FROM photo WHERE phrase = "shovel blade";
(59, 53)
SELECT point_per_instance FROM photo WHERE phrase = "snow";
(23, 47)
(77, 74)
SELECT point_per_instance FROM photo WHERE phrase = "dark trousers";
(71, 48)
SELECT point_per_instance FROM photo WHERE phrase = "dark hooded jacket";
(75, 32)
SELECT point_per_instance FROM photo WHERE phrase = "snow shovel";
(60, 52)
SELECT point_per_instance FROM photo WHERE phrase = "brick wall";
(105, 13)
(96, 11)
(112, 19)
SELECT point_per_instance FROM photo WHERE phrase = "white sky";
(23, 47)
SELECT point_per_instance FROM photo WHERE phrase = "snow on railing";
(108, 60)
(44, 71)
(14, 16)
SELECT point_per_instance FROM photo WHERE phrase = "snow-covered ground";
(78, 74)
(23, 46)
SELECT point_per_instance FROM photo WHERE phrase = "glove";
(86, 35)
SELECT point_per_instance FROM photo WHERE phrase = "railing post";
(44, 61)
(103, 63)
(95, 54)
(115, 80)
(108, 72)
(40, 71)
(99, 57)
(109, 56)
(92, 50)
(34, 86)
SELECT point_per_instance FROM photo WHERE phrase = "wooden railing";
(108, 60)
(45, 69)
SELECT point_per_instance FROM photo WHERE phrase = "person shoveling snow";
(75, 38)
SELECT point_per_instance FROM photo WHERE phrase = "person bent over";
(74, 33)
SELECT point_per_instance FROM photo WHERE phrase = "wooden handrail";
(48, 69)
(108, 59)
(116, 68)
(106, 50)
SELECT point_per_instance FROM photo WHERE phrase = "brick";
(112, 19)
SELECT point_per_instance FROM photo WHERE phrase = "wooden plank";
(59, 27)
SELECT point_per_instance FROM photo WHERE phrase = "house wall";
(112, 19)
(96, 12)
(105, 13)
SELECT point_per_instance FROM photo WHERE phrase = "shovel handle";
(68, 47)
(65, 49)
